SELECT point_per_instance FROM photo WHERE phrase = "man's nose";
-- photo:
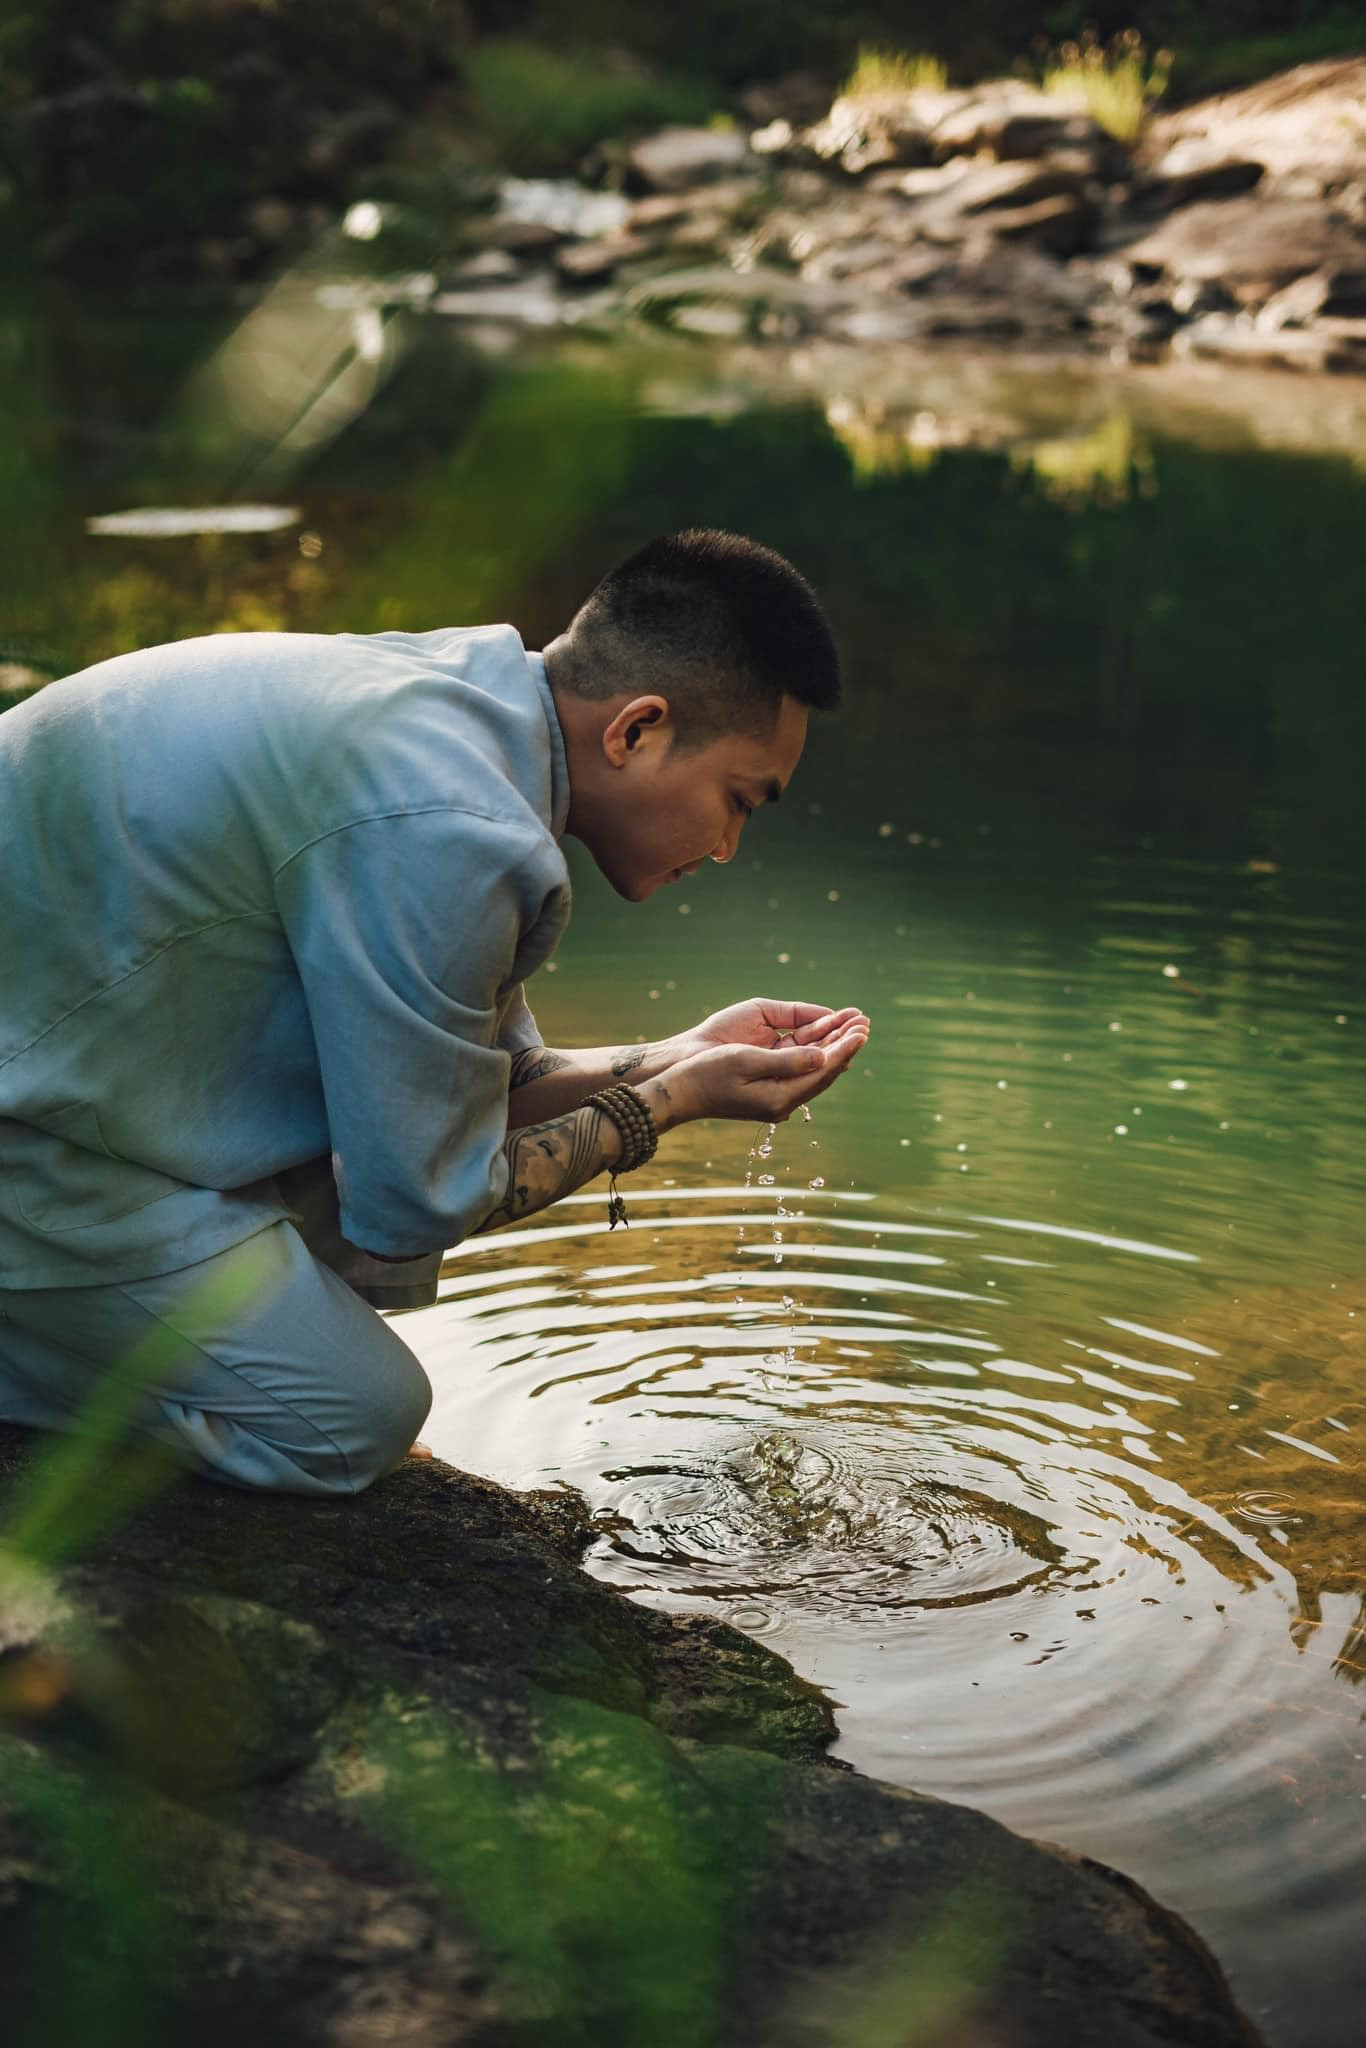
(724, 850)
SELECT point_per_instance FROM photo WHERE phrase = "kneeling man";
(267, 903)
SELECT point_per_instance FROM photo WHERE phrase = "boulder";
(1192, 170)
(1306, 127)
(677, 158)
(393, 1769)
(1011, 120)
(1050, 200)
(870, 131)
(1061, 225)
(1014, 287)
(1327, 345)
(1253, 247)
(597, 261)
(488, 266)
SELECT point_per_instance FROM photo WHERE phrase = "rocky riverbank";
(395, 1770)
(1232, 230)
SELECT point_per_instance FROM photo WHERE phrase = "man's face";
(665, 810)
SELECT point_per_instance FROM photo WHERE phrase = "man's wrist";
(668, 1100)
(638, 1063)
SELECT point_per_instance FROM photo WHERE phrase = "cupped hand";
(765, 1084)
(767, 1022)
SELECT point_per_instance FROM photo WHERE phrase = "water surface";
(1015, 1396)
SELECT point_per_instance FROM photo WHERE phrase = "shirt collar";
(559, 763)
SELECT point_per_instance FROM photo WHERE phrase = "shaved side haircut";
(722, 627)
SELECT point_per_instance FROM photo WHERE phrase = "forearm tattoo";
(627, 1058)
(548, 1160)
(532, 1065)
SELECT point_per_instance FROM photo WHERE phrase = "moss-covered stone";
(395, 1770)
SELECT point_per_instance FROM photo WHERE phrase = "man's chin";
(632, 887)
(632, 891)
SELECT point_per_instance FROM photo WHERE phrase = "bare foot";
(421, 1450)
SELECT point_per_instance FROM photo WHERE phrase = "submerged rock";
(394, 1769)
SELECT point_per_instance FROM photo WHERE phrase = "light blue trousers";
(262, 1366)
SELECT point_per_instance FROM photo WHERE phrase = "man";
(267, 902)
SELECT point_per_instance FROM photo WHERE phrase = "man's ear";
(639, 721)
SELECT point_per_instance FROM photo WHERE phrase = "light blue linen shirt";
(266, 896)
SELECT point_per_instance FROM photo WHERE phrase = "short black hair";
(721, 626)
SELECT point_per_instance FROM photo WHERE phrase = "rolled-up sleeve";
(405, 931)
(517, 1028)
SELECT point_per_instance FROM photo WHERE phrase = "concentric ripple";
(821, 1530)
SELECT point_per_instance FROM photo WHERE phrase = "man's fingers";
(781, 1062)
(832, 1062)
(819, 1028)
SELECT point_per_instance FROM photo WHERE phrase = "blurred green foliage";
(539, 109)
(1118, 81)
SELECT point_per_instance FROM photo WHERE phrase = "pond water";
(1016, 1396)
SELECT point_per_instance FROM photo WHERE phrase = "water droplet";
(885, 831)
(783, 959)
(685, 909)
(1339, 1020)
(1112, 1026)
(1178, 1087)
(1003, 1084)
(818, 1182)
(654, 995)
(765, 1180)
(832, 895)
(1121, 1130)
(1172, 973)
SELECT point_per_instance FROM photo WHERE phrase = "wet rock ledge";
(996, 215)
(396, 1770)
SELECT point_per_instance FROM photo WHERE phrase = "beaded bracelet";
(639, 1134)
